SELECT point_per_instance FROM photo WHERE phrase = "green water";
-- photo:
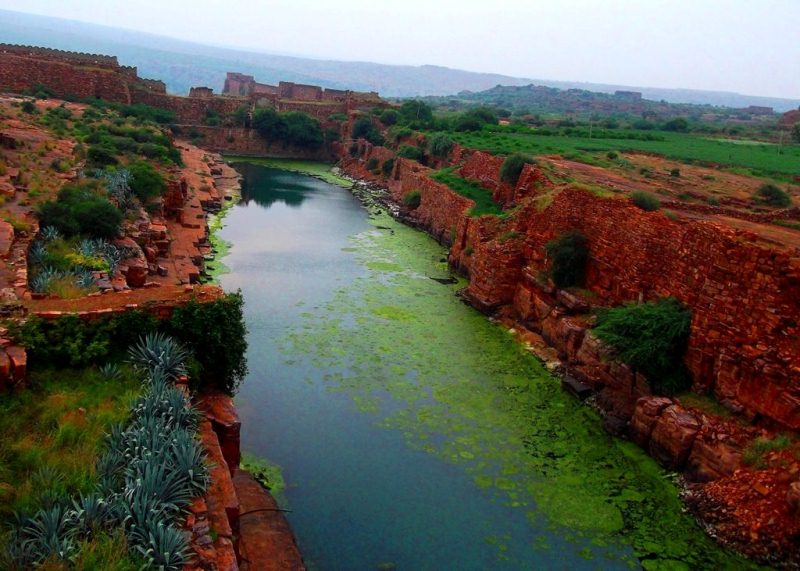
(411, 431)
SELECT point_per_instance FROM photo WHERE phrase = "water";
(412, 433)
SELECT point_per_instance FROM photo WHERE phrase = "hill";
(184, 64)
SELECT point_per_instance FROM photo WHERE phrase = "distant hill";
(184, 64)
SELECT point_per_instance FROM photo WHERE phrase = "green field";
(760, 160)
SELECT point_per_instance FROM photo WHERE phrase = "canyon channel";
(412, 432)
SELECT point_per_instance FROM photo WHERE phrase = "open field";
(760, 160)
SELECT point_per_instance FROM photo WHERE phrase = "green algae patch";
(317, 169)
(267, 474)
(219, 246)
(393, 313)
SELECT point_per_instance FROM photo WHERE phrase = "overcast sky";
(749, 46)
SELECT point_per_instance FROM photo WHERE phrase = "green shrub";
(146, 182)
(440, 145)
(102, 156)
(651, 338)
(416, 114)
(215, 333)
(219, 349)
(411, 152)
(353, 149)
(28, 107)
(388, 166)
(754, 452)
(612, 155)
(413, 199)
(712, 201)
(512, 168)
(80, 210)
(389, 117)
(372, 164)
(293, 128)
(645, 200)
(771, 195)
(365, 128)
(676, 173)
(569, 254)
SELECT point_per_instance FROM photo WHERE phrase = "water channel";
(412, 433)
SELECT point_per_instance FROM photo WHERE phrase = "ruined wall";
(745, 334)
(743, 295)
(289, 90)
(189, 110)
(484, 169)
(65, 80)
(242, 141)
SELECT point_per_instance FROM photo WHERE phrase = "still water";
(412, 433)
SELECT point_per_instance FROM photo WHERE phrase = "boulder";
(711, 460)
(645, 415)
(673, 436)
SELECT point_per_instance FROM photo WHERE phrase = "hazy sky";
(749, 46)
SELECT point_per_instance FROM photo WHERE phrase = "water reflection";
(266, 186)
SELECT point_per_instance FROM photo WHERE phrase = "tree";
(650, 337)
(677, 124)
(303, 130)
(364, 127)
(389, 117)
(796, 133)
(441, 145)
(416, 113)
(269, 124)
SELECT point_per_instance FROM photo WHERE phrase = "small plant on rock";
(771, 195)
(512, 168)
(569, 254)
(412, 200)
(645, 201)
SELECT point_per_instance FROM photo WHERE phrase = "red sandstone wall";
(745, 337)
(484, 169)
(744, 296)
(189, 110)
(241, 141)
(65, 80)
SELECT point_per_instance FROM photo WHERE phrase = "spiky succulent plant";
(158, 351)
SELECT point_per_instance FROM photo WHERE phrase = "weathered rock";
(221, 412)
(793, 497)
(647, 412)
(710, 460)
(673, 436)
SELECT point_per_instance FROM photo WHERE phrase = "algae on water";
(408, 352)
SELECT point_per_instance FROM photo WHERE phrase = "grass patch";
(764, 159)
(53, 433)
(475, 192)
(754, 453)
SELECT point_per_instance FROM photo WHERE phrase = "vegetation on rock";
(569, 253)
(512, 167)
(651, 338)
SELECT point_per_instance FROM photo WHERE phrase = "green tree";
(796, 133)
(364, 127)
(651, 338)
(416, 113)
(441, 145)
(771, 195)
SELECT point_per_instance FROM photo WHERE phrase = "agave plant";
(113, 257)
(188, 460)
(164, 547)
(111, 371)
(50, 233)
(42, 281)
(158, 351)
(89, 513)
(43, 536)
(38, 252)
(83, 278)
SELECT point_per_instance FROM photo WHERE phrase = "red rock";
(266, 541)
(712, 460)
(647, 412)
(19, 362)
(221, 412)
(673, 436)
(793, 497)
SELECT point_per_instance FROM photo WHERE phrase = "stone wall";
(242, 141)
(64, 79)
(743, 293)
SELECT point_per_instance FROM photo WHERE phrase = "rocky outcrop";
(237, 524)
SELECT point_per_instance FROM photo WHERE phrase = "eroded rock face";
(711, 460)
(673, 435)
(648, 410)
